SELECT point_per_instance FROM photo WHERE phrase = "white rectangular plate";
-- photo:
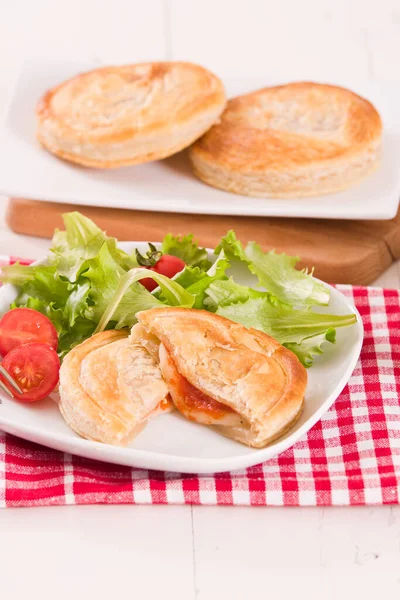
(28, 171)
(172, 443)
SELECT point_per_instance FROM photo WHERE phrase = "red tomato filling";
(196, 399)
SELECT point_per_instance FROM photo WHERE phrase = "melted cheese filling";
(190, 401)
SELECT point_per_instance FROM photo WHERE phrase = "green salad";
(88, 284)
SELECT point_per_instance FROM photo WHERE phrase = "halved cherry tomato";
(35, 367)
(23, 326)
(167, 265)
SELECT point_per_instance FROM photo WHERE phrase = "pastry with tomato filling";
(110, 387)
(241, 382)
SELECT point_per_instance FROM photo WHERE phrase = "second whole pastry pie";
(300, 139)
(131, 114)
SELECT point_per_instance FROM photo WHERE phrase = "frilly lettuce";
(301, 330)
(277, 273)
(187, 249)
(79, 280)
(123, 306)
(310, 347)
(197, 282)
(82, 240)
(88, 284)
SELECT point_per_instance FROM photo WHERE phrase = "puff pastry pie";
(239, 381)
(300, 139)
(126, 115)
(110, 387)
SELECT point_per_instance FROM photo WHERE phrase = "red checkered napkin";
(352, 456)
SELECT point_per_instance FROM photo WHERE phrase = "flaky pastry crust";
(131, 114)
(109, 387)
(300, 139)
(260, 383)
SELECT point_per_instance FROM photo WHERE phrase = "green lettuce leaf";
(223, 293)
(187, 249)
(232, 247)
(69, 338)
(105, 276)
(312, 346)
(277, 273)
(286, 325)
(80, 234)
(17, 274)
(117, 308)
(189, 276)
(77, 303)
(82, 241)
(196, 281)
(64, 303)
(41, 281)
(102, 274)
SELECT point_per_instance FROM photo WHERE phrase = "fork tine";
(5, 388)
(10, 380)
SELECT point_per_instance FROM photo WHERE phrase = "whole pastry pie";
(126, 115)
(300, 139)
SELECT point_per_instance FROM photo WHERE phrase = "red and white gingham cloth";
(352, 456)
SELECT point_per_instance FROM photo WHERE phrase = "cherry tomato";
(149, 283)
(35, 368)
(23, 326)
(167, 265)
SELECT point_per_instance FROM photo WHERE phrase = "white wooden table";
(202, 552)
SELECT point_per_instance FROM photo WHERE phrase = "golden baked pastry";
(109, 387)
(300, 139)
(239, 381)
(130, 114)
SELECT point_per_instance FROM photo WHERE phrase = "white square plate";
(28, 171)
(171, 442)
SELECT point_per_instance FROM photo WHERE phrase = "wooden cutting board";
(355, 252)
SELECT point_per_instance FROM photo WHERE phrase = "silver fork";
(10, 380)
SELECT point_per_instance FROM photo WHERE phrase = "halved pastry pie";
(239, 381)
(109, 387)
